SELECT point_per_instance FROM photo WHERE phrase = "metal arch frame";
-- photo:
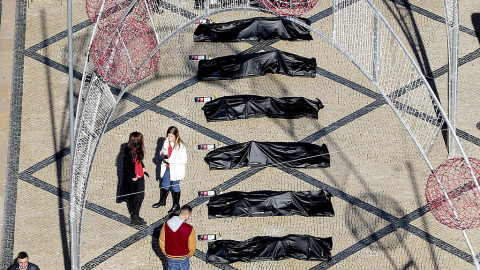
(74, 234)
(372, 79)
(82, 85)
(94, 32)
(76, 230)
(77, 240)
(378, 15)
(97, 146)
(452, 30)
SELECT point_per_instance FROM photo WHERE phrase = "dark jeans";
(167, 184)
(135, 200)
(179, 264)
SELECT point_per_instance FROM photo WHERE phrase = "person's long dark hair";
(135, 145)
(174, 130)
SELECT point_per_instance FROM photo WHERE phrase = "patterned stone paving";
(377, 176)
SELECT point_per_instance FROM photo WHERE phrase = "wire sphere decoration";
(119, 49)
(289, 8)
(113, 11)
(454, 175)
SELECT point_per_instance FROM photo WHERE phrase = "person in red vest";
(177, 240)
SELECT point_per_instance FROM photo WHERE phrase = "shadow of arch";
(120, 185)
(405, 17)
(157, 159)
(58, 144)
(360, 226)
(156, 247)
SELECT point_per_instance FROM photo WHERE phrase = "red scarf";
(169, 152)
(138, 167)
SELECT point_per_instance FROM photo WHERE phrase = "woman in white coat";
(172, 170)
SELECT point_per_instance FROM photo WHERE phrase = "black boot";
(137, 220)
(129, 207)
(176, 202)
(163, 198)
(141, 220)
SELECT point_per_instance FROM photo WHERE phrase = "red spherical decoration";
(455, 178)
(113, 11)
(119, 49)
(289, 8)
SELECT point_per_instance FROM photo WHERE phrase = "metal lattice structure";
(98, 105)
(453, 177)
(365, 36)
(378, 52)
(360, 33)
(120, 52)
(452, 26)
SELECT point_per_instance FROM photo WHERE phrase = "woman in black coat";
(133, 176)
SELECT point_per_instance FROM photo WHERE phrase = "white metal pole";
(453, 78)
(376, 66)
(73, 223)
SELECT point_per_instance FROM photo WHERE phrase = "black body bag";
(257, 64)
(316, 203)
(263, 248)
(260, 28)
(249, 106)
(275, 154)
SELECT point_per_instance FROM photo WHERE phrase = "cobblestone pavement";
(377, 176)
